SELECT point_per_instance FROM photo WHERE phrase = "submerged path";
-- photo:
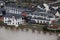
(6, 34)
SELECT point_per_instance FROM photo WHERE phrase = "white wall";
(46, 7)
(12, 10)
(42, 21)
(42, 17)
(13, 21)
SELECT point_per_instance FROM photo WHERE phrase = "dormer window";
(50, 16)
(9, 20)
(41, 14)
(18, 22)
(13, 17)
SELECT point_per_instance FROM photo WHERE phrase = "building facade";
(13, 19)
(41, 17)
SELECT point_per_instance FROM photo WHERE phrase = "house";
(41, 17)
(2, 3)
(57, 14)
(13, 19)
(55, 7)
(42, 20)
(11, 0)
(13, 14)
(46, 7)
(12, 8)
(58, 10)
(55, 11)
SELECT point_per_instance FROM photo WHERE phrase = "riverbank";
(33, 27)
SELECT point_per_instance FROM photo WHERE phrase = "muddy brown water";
(6, 34)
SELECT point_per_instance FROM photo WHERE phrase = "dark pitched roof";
(39, 18)
(39, 13)
(2, 0)
(53, 11)
(58, 9)
(9, 15)
(2, 9)
(13, 5)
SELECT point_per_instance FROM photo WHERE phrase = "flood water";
(6, 34)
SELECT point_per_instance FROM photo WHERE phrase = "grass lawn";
(2, 23)
(36, 26)
(58, 21)
(27, 25)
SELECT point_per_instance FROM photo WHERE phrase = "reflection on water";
(6, 34)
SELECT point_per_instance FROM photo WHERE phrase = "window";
(5, 17)
(16, 19)
(13, 19)
(41, 21)
(9, 22)
(23, 0)
(18, 22)
(44, 18)
(19, 12)
(14, 10)
(50, 16)
(47, 22)
(5, 21)
(41, 14)
(13, 23)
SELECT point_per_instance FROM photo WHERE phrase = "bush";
(58, 21)
(2, 23)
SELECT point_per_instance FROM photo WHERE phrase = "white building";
(42, 21)
(46, 7)
(42, 17)
(57, 14)
(13, 19)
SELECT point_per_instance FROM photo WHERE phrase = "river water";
(6, 34)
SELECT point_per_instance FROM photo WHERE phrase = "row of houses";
(11, 14)
(13, 19)
(41, 17)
